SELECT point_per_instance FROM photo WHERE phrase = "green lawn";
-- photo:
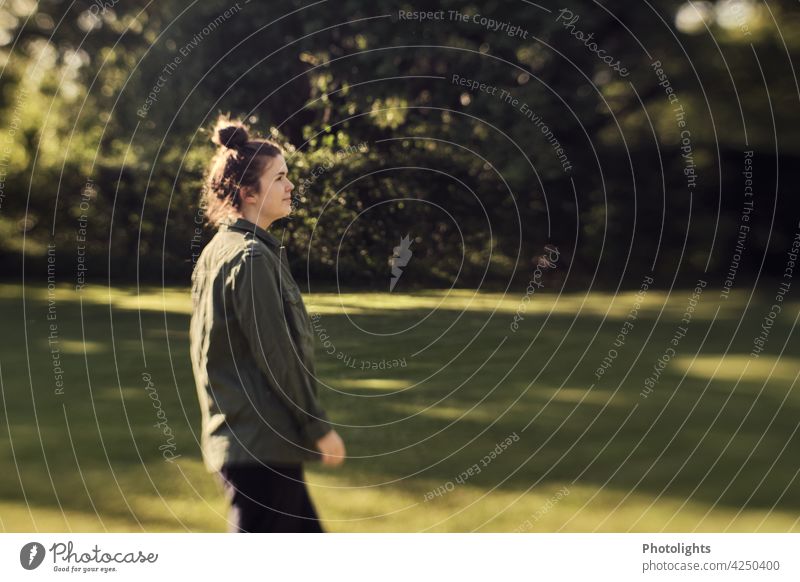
(712, 448)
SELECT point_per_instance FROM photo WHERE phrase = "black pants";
(269, 498)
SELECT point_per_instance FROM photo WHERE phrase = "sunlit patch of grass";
(732, 367)
(378, 384)
(613, 306)
(167, 299)
(443, 412)
(579, 395)
(80, 347)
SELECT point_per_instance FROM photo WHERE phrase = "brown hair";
(238, 163)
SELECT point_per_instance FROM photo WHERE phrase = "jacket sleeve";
(260, 312)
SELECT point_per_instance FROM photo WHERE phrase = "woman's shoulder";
(228, 249)
(244, 251)
(238, 243)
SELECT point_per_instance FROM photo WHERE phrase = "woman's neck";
(253, 217)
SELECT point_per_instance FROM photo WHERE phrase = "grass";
(712, 448)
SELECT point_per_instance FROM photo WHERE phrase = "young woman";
(252, 345)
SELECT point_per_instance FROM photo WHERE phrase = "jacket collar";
(244, 225)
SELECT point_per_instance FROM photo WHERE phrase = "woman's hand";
(332, 448)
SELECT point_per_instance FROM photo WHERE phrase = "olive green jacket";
(252, 352)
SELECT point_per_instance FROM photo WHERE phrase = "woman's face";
(274, 200)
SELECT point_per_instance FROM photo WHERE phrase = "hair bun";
(230, 134)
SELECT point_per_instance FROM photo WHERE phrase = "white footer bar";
(401, 557)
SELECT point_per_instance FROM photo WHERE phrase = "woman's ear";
(246, 195)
